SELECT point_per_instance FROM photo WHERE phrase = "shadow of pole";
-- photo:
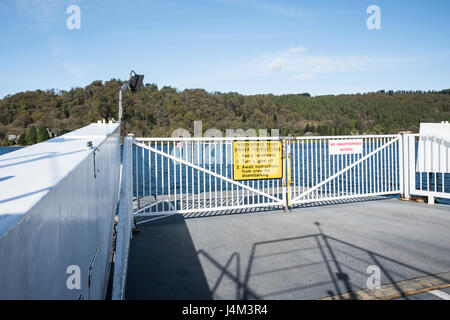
(340, 275)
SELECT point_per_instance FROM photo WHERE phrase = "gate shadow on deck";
(257, 209)
(165, 265)
(341, 260)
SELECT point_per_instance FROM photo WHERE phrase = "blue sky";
(248, 46)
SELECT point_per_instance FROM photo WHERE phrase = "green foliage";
(22, 139)
(42, 134)
(157, 112)
(32, 135)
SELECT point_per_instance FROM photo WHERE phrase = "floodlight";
(136, 81)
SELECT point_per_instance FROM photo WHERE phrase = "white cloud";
(278, 62)
(337, 64)
(295, 63)
(74, 71)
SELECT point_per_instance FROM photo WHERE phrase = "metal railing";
(317, 174)
(191, 175)
(428, 173)
(125, 222)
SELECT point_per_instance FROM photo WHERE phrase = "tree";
(156, 111)
(42, 134)
(22, 139)
(32, 136)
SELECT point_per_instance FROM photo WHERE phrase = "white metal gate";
(192, 175)
(434, 184)
(318, 175)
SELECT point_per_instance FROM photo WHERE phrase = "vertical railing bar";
(375, 162)
(204, 174)
(354, 174)
(381, 165)
(363, 172)
(316, 145)
(221, 172)
(156, 178)
(303, 168)
(384, 165)
(308, 171)
(360, 176)
(366, 177)
(168, 177)
(427, 175)
(231, 171)
(373, 166)
(175, 177)
(162, 175)
(181, 144)
(389, 167)
(226, 174)
(143, 179)
(334, 157)
(320, 167)
(297, 184)
(388, 159)
(380, 172)
(137, 178)
(215, 178)
(198, 174)
(346, 173)
(150, 178)
(193, 161)
(329, 167)
(209, 168)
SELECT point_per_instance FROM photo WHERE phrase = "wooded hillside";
(157, 112)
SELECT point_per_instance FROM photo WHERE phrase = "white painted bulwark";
(434, 148)
(57, 204)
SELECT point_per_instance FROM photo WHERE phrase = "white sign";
(434, 148)
(338, 147)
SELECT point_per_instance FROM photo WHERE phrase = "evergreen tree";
(42, 134)
(22, 139)
(32, 136)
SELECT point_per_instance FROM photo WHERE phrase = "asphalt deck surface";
(311, 253)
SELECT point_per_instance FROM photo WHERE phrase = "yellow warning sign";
(257, 160)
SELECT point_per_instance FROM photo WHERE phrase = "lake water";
(313, 165)
(4, 150)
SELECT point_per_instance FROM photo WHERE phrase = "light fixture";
(134, 83)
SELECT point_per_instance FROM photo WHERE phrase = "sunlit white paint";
(56, 210)
(440, 294)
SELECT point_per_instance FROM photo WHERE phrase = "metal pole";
(124, 87)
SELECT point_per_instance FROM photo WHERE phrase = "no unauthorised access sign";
(351, 146)
(257, 160)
